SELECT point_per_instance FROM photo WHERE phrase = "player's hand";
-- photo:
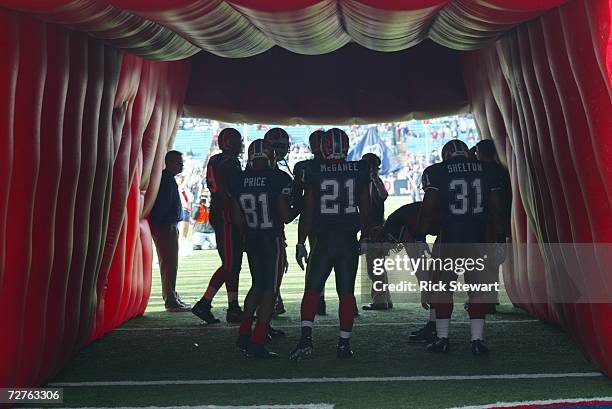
(377, 234)
(421, 248)
(301, 255)
(363, 245)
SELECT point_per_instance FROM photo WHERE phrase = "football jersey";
(464, 186)
(337, 186)
(299, 179)
(257, 193)
(406, 217)
(220, 171)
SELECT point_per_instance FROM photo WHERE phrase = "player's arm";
(496, 209)
(425, 221)
(284, 208)
(379, 185)
(297, 191)
(237, 215)
(305, 226)
(307, 217)
(365, 206)
(430, 204)
(228, 173)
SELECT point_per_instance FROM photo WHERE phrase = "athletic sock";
(346, 313)
(246, 324)
(232, 297)
(260, 333)
(442, 326)
(477, 328)
(310, 302)
(306, 329)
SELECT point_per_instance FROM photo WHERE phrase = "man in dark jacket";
(166, 213)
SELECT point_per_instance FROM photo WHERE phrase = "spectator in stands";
(186, 199)
(203, 233)
(166, 213)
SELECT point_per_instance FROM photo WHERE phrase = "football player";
(466, 192)
(401, 228)
(278, 138)
(261, 198)
(299, 172)
(221, 169)
(381, 300)
(485, 152)
(336, 207)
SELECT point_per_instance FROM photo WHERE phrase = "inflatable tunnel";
(91, 92)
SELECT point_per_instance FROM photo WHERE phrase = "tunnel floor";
(168, 360)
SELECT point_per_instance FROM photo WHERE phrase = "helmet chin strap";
(287, 166)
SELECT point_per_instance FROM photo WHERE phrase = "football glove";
(301, 255)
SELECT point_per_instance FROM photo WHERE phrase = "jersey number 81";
(256, 210)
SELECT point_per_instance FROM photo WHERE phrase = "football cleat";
(322, 307)
(427, 333)
(258, 351)
(274, 333)
(439, 345)
(242, 343)
(373, 306)
(478, 347)
(201, 309)
(279, 306)
(234, 313)
(303, 349)
(343, 350)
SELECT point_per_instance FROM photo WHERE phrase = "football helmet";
(261, 149)
(314, 140)
(279, 138)
(372, 159)
(334, 144)
(230, 141)
(454, 148)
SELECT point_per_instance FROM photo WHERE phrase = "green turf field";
(182, 362)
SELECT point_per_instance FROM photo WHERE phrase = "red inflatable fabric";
(244, 28)
(71, 186)
(115, 26)
(543, 92)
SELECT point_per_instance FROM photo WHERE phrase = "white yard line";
(334, 380)
(604, 399)
(297, 324)
(293, 406)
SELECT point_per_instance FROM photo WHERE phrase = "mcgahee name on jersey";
(339, 167)
(254, 181)
(464, 167)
